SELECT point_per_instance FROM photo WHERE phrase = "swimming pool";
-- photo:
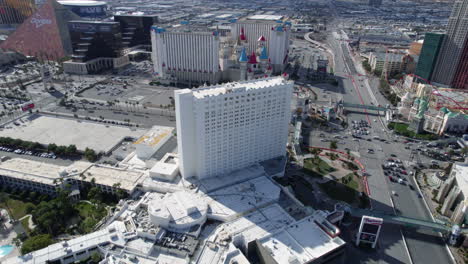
(5, 250)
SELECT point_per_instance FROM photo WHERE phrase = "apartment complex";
(429, 53)
(392, 62)
(228, 127)
(451, 54)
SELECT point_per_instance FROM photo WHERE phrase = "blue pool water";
(5, 250)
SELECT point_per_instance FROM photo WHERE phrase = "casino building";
(86, 8)
(255, 48)
(14, 12)
(136, 30)
(97, 46)
(44, 34)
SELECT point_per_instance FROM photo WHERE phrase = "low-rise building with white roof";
(167, 168)
(302, 242)
(152, 140)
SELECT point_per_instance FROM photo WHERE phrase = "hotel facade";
(229, 127)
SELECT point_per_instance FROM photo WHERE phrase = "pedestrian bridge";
(406, 221)
(362, 106)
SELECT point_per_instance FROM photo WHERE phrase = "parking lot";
(37, 156)
(124, 91)
(67, 131)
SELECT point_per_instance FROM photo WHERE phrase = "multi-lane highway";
(397, 245)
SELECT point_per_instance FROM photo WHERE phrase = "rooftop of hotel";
(46, 173)
(154, 136)
(58, 250)
(215, 90)
(30, 170)
(259, 223)
(180, 208)
(230, 202)
(300, 242)
(460, 171)
(265, 17)
(109, 176)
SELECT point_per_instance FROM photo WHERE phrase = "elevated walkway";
(406, 221)
(361, 106)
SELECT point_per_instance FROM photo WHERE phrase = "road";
(397, 245)
(423, 246)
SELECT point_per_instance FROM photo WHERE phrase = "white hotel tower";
(232, 126)
(191, 56)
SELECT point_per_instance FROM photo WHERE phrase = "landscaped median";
(351, 188)
(402, 129)
(345, 189)
(316, 167)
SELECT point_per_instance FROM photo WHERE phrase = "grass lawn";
(350, 181)
(90, 215)
(402, 129)
(25, 224)
(17, 207)
(318, 168)
(89, 210)
(347, 190)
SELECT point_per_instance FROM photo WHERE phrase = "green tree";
(4, 200)
(52, 147)
(29, 208)
(95, 257)
(90, 154)
(51, 217)
(378, 73)
(36, 243)
(464, 150)
(333, 144)
(71, 149)
(95, 195)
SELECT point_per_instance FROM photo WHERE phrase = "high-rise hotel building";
(255, 47)
(232, 126)
(186, 56)
(451, 63)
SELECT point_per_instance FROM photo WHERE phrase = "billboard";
(91, 26)
(369, 230)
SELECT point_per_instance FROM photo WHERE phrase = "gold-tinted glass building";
(15, 11)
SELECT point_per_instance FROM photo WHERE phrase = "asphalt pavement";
(424, 246)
